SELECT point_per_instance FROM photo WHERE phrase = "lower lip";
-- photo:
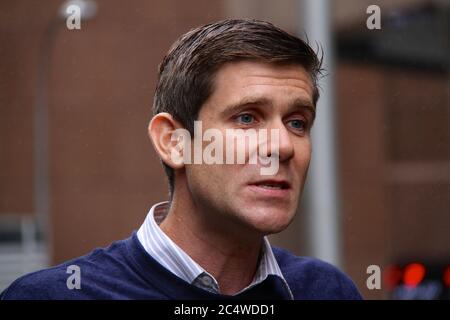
(274, 193)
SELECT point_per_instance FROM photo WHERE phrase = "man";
(209, 241)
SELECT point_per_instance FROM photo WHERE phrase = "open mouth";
(273, 185)
(273, 189)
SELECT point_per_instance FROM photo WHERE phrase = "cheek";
(207, 179)
(303, 155)
(306, 159)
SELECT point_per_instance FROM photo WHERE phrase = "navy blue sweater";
(124, 270)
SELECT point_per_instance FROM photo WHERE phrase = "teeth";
(271, 186)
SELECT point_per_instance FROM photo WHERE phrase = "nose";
(280, 142)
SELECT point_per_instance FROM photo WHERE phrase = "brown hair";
(187, 72)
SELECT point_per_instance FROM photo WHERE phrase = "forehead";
(245, 80)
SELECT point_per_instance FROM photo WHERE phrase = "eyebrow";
(298, 103)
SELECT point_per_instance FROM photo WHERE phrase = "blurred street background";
(77, 170)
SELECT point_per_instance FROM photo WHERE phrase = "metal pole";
(41, 136)
(323, 193)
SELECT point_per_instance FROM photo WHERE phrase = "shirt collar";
(174, 259)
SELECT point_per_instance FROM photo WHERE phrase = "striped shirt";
(174, 259)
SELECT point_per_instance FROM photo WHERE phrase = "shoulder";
(311, 278)
(64, 281)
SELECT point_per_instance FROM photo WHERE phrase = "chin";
(268, 221)
(276, 228)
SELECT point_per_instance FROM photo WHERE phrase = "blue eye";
(245, 118)
(298, 124)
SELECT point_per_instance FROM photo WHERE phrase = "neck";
(218, 245)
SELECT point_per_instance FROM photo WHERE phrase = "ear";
(162, 130)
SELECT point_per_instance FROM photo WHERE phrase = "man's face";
(256, 95)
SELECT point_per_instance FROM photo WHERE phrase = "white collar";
(174, 259)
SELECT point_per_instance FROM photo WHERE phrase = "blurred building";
(95, 86)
